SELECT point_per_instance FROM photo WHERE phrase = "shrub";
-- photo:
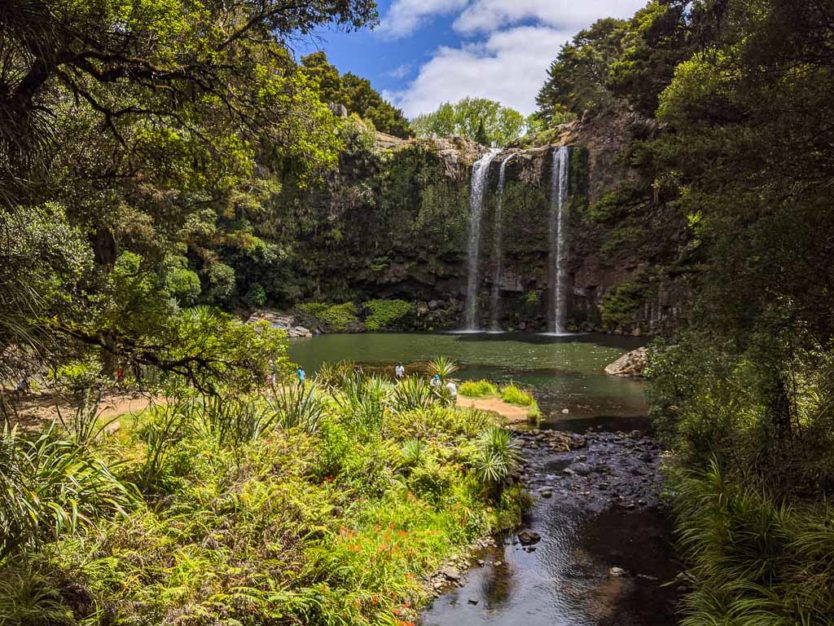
(443, 366)
(497, 458)
(413, 393)
(385, 314)
(336, 317)
(478, 389)
(621, 303)
(517, 396)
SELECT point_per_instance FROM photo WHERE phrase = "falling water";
(497, 249)
(558, 240)
(480, 172)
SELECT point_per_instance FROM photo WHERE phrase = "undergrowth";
(318, 505)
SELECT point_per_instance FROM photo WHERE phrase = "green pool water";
(566, 372)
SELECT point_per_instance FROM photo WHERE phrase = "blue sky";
(426, 52)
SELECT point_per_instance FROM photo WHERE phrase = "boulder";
(630, 365)
(528, 537)
(450, 573)
(286, 322)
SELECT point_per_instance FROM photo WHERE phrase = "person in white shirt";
(452, 388)
(399, 371)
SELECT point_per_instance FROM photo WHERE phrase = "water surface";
(566, 372)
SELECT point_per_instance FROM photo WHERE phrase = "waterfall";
(497, 247)
(480, 173)
(558, 241)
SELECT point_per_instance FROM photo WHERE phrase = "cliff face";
(393, 224)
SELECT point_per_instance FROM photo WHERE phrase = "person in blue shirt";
(302, 376)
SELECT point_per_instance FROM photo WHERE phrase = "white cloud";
(510, 66)
(401, 71)
(516, 42)
(489, 15)
(405, 16)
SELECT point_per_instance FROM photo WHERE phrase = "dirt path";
(36, 408)
(512, 413)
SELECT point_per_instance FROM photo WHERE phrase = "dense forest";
(733, 138)
(168, 167)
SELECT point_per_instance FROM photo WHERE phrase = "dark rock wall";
(399, 214)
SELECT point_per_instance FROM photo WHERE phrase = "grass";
(519, 397)
(751, 559)
(478, 389)
(317, 506)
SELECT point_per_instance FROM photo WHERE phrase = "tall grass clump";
(444, 367)
(50, 486)
(298, 407)
(752, 560)
(497, 459)
(478, 389)
(363, 401)
(413, 393)
(233, 420)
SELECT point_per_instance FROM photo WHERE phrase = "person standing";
(301, 375)
(399, 371)
(452, 393)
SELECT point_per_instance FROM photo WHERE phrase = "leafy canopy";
(478, 119)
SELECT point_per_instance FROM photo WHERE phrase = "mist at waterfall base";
(558, 245)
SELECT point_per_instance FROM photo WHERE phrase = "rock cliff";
(393, 224)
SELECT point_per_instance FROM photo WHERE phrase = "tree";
(162, 63)
(577, 79)
(356, 95)
(478, 119)
(161, 129)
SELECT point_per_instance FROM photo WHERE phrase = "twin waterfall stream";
(557, 229)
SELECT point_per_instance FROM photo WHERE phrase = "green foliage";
(497, 458)
(478, 119)
(43, 260)
(753, 561)
(621, 303)
(355, 94)
(179, 282)
(344, 519)
(415, 453)
(477, 389)
(577, 79)
(444, 367)
(298, 407)
(413, 393)
(515, 395)
(50, 487)
(336, 317)
(386, 314)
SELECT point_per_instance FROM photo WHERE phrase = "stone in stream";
(617, 572)
(450, 573)
(546, 493)
(528, 537)
(582, 469)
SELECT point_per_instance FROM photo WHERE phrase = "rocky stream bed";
(595, 548)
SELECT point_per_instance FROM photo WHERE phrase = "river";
(604, 557)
